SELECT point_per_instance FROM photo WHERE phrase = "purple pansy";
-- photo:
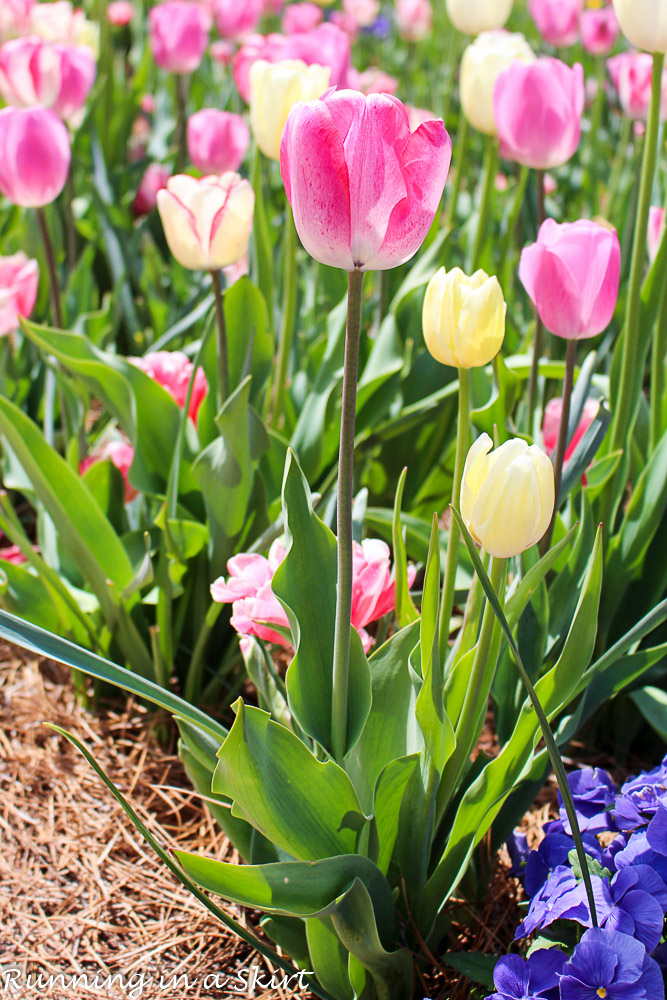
(552, 853)
(560, 898)
(594, 793)
(534, 979)
(612, 965)
(622, 906)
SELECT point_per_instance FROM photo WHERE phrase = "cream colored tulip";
(207, 222)
(644, 23)
(507, 495)
(463, 318)
(483, 62)
(473, 16)
(274, 90)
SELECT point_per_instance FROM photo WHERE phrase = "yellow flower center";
(602, 992)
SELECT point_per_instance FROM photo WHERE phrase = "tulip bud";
(207, 222)
(644, 23)
(34, 156)
(217, 140)
(557, 20)
(50, 74)
(300, 17)
(481, 15)
(463, 318)
(599, 30)
(178, 34)
(274, 90)
(19, 277)
(483, 62)
(237, 18)
(632, 76)
(414, 19)
(507, 497)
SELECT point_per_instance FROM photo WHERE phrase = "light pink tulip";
(120, 454)
(15, 18)
(599, 30)
(414, 19)
(173, 370)
(325, 45)
(19, 278)
(178, 34)
(120, 13)
(35, 72)
(147, 104)
(372, 81)
(155, 178)
(255, 607)
(11, 553)
(237, 18)
(557, 20)
(656, 227)
(364, 12)
(551, 426)
(60, 21)
(222, 51)
(571, 274)
(363, 188)
(217, 140)
(537, 107)
(299, 17)
(34, 156)
(345, 22)
(631, 74)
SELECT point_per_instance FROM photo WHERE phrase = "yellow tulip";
(507, 495)
(473, 16)
(463, 318)
(274, 90)
(483, 62)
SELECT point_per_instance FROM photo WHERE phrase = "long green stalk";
(537, 337)
(489, 172)
(221, 329)
(288, 317)
(460, 147)
(658, 363)
(57, 318)
(561, 446)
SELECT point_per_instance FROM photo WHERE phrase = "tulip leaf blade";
(406, 612)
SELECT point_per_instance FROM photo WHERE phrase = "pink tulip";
(372, 81)
(34, 156)
(217, 140)
(557, 20)
(19, 278)
(345, 22)
(656, 227)
(537, 107)
(222, 51)
(120, 13)
(147, 104)
(237, 18)
(631, 74)
(120, 454)
(178, 34)
(299, 17)
(414, 19)
(59, 21)
(173, 370)
(571, 274)
(54, 76)
(15, 18)
(248, 589)
(12, 554)
(363, 188)
(551, 426)
(155, 178)
(364, 12)
(326, 45)
(599, 30)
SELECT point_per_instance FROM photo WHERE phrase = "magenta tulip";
(300, 17)
(237, 18)
(557, 20)
(178, 34)
(155, 178)
(363, 188)
(217, 140)
(599, 30)
(120, 454)
(537, 108)
(326, 45)
(120, 13)
(631, 74)
(173, 371)
(571, 274)
(19, 277)
(551, 425)
(34, 156)
(33, 71)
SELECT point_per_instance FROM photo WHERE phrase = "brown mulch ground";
(81, 893)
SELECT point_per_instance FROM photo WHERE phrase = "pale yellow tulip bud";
(644, 23)
(483, 62)
(507, 495)
(473, 16)
(207, 222)
(463, 318)
(274, 90)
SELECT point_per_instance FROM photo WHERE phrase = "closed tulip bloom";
(364, 12)
(155, 178)
(507, 495)
(373, 81)
(473, 16)
(599, 30)
(644, 23)
(120, 13)
(414, 19)
(274, 89)
(237, 18)
(55, 76)
(363, 188)
(551, 425)
(537, 109)
(483, 62)
(656, 227)
(557, 20)
(19, 277)
(463, 318)
(15, 18)
(60, 22)
(299, 17)
(217, 140)
(571, 275)
(207, 222)
(632, 76)
(178, 34)
(173, 371)
(34, 156)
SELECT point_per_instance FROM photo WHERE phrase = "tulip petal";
(180, 230)
(553, 290)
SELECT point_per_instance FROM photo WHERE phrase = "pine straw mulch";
(80, 891)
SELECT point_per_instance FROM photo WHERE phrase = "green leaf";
(585, 451)
(652, 703)
(594, 867)
(406, 611)
(262, 238)
(497, 410)
(516, 604)
(305, 806)
(473, 965)
(329, 958)
(21, 589)
(388, 798)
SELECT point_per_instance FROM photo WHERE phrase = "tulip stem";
(561, 445)
(341, 655)
(624, 415)
(462, 436)
(460, 145)
(287, 320)
(485, 201)
(658, 359)
(537, 337)
(57, 319)
(221, 327)
(182, 117)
